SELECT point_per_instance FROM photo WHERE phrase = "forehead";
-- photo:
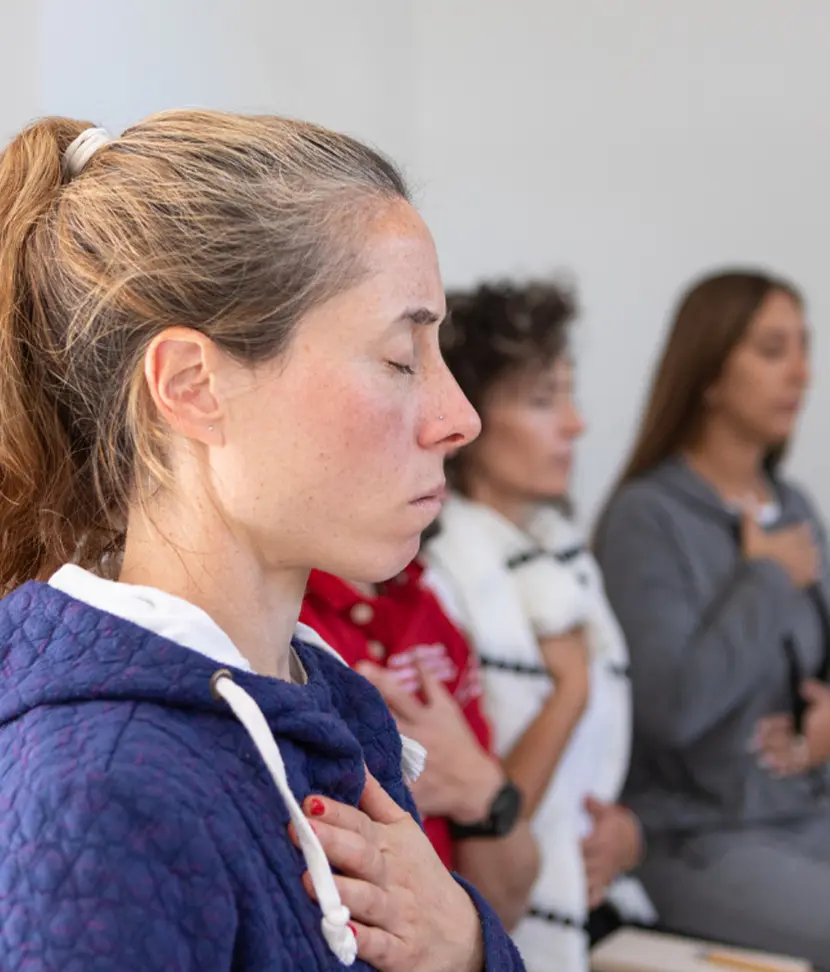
(533, 377)
(778, 312)
(401, 260)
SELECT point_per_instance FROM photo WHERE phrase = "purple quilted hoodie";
(140, 830)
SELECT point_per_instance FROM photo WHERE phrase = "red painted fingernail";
(317, 808)
(352, 927)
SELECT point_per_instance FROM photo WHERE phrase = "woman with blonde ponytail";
(220, 369)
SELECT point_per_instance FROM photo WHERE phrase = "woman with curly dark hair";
(515, 572)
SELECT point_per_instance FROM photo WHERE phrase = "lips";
(438, 494)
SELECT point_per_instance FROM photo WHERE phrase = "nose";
(451, 421)
(801, 369)
(573, 422)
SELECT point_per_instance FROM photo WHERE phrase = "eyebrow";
(420, 315)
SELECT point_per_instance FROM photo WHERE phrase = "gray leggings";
(766, 888)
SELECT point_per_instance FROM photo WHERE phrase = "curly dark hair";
(500, 329)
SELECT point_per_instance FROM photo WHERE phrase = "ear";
(180, 367)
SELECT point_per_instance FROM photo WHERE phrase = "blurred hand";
(785, 753)
(613, 847)
(460, 778)
(793, 548)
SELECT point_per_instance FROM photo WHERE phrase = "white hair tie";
(82, 149)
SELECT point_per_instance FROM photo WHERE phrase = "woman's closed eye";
(403, 369)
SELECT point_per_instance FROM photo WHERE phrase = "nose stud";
(440, 418)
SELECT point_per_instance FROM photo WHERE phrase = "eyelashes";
(402, 369)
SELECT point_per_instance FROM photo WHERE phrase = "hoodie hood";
(55, 650)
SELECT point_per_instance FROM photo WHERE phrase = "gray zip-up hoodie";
(716, 643)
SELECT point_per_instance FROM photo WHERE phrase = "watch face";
(506, 809)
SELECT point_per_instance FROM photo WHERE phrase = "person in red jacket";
(399, 637)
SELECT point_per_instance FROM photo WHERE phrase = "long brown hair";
(232, 225)
(711, 320)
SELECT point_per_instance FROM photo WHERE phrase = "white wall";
(638, 144)
(346, 65)
(19, 66)
(633, 143)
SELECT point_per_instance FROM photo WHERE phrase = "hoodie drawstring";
(339, 937)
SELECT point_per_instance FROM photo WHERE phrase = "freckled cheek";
(362, 429)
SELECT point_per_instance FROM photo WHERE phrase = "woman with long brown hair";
(716, 567)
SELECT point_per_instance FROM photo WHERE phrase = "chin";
(776, 438)
(385, 562)
(552, 491)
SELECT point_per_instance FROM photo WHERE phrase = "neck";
(513, 507)
(730, 463)
(205, 564)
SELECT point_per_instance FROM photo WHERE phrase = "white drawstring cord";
(338, 935)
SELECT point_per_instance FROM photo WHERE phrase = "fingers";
(434, 691)
(371, 920)
(379, 948)
(772, 731)
(596, 808)
(814, 692)
(596, 848)
(781, 751)
(775, 749)
(378, 805)
(804, 533)
(348, 852)
(366, 902)
(403, 704)
(337, 814)
(368, 908)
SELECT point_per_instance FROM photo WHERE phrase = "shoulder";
(121, 747)
(89, 832)
(104, 768)
(643, 505)
(643, 496)
(642, 520)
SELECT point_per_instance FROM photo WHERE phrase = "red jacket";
(404, 622)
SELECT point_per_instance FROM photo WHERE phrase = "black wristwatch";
(502, 818)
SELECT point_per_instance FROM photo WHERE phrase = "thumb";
(377, 804)
(434, 690)
(596, 808)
